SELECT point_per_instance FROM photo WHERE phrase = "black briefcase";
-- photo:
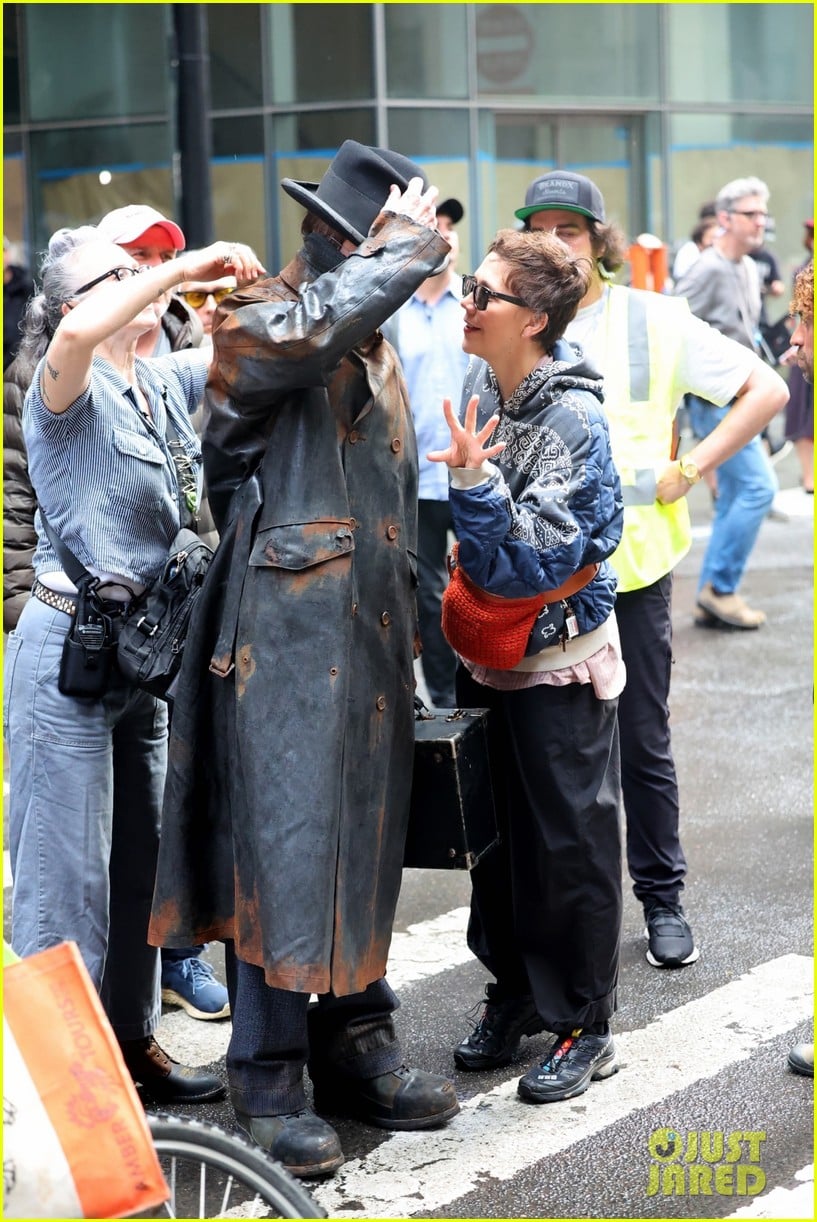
(452, 823)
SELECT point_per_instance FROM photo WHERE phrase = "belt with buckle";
(68, 602)
(60, 602)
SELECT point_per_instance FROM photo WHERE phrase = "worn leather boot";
(403, 1099)
(496, 1036)
(303, 1143)
(164, 1080)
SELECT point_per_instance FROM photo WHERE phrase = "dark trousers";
(654, 855)
(546, 902)
(275, 1033)
(439, 660)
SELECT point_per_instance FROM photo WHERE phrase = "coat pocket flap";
(299, 545)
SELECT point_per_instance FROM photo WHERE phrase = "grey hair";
(738, 189)
(58, 278)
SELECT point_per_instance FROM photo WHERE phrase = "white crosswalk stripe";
(498, 1134)
(783, 1202)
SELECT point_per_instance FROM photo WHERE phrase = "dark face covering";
(321, 253)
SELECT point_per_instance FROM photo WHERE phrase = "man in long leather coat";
(290, 771)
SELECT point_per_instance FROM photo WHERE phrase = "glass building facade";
(661, 104)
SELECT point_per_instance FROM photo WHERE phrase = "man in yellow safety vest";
(651, 350)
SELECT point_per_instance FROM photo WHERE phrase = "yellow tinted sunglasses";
(196, 298)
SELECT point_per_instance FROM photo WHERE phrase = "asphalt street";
(702, 1049)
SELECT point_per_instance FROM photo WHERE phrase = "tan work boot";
(729, 609)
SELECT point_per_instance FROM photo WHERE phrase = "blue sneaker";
(190, 983)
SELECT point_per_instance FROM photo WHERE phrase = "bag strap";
(74, 568)
(577, 581)
(573, 584)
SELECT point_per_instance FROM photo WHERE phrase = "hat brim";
(127, 236)
(522, 214)
(304, 193)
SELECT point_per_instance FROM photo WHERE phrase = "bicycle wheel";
(215, 1174)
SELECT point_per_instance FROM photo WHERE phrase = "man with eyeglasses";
(723, 288)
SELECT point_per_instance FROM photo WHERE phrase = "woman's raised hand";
(219, 260)
(414, 202)
(468, 447)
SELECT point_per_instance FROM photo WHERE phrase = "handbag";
(492, 630)
(76, 1143)
(452, 818)
(148, 639)
(154, 629)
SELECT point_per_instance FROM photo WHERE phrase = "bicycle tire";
(244, 1179)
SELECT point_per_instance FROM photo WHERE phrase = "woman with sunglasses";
(87, 774)
(535, 499)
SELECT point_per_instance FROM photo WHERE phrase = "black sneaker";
(573, 1062)
(496, 1036)
(670, 939)
(801, 1059)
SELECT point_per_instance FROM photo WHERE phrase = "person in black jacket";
(17, 288)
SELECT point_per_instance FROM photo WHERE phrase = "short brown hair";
(545, 273)
(802, 302)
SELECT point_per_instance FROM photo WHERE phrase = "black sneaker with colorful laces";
(573, 1062)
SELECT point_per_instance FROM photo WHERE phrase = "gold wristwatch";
(689, 470)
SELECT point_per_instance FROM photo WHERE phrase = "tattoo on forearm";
(55, 373)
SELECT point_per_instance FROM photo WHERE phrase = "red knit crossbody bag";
(492, 630)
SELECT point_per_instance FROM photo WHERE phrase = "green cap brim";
(522, 214)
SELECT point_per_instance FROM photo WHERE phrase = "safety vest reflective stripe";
(640, 403)
(642, 490)
(638, 349)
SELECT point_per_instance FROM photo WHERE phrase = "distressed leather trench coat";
(292, 733)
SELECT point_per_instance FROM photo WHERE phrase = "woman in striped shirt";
(87, 774)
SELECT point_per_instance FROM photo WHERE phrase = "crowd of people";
(342, 421)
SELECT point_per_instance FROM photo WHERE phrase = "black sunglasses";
(482, 294)
(118, 273)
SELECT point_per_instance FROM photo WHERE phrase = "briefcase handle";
(423, 713)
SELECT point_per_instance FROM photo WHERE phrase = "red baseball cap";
(126, 225)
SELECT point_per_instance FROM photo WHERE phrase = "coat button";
(391, 532)
(353, 437)
(385, 619)
(381, 703)
(397, 445)
(354, 608)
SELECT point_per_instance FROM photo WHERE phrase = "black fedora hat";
(355, 187)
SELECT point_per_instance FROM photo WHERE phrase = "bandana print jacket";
(553, 502)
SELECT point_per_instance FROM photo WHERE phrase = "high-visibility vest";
(643, 333)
